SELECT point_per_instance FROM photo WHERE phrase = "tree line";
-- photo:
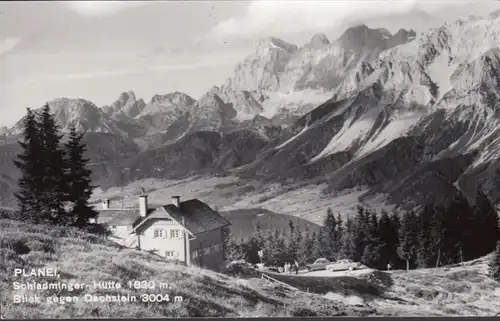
(55, 185)
(430, 237)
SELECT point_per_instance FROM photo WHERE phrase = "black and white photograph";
(257, 158)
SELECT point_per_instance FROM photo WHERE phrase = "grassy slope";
(86, 258)
(81, 257)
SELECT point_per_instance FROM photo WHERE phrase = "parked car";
(319, 264)
(342, 265)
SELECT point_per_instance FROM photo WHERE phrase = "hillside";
(85, 258)
(81, 257)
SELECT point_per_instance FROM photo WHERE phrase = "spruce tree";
(316, 247)
(53, 166)
(361, 232)
(78, 180)
(396, 261)
(328, 237)
(291, 242)
(439, 233)
(425, 251)
(387, 243)
(488, 229)
(349, 241)
(306, 247)
(494, 266)
(372, 251)
(340, 237)
(407, 238)
(28, 162)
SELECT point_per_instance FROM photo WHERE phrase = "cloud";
(208, 61)
(101, 8)
(8, 44)
(263, 18)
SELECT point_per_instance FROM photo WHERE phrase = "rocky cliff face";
(430, 105)
(285, 78)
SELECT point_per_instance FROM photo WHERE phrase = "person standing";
(296, 267)
(389, 266)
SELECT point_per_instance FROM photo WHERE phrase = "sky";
(99, 49)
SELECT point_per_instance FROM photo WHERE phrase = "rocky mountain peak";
(82, 114)
(361, 37)
(126, 106)
(172, 98)
(267, 44)
(317, 41)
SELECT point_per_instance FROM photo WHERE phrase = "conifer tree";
(361, 231)
(439, 232)
(349, 241)
(317, 251)
(328, 237)
(396, 261)
(425, 251)
(291, 242)
(407, 238)
(306, 247)
(488, 228)
(372, 251)
(494, 266)
(78, 179)
(340, 237)
(29, 196)
(386, 237)
(53, 166)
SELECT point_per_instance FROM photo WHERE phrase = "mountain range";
(412, 117)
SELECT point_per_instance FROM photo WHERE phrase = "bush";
(240, 268)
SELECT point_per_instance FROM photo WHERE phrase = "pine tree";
(396, 262)
(387, 243)
(407, 238)
(306, 247)
(425, 251)
(494, 266)
(488, 228)
(78, 179)
(328, 237)
(291, 242)
(339, 242)
(53, 165)
(349, 241)
(28, 162)
(361, 233)
(372, 251)
(439, 233)
(316, 247)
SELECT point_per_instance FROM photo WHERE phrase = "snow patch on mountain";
(295, 102)
(398, 126)
(292, 138)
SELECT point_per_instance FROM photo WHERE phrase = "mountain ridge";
(368, 110)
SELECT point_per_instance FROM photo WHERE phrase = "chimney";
(176, 200)
(105, 204)
(143, 205)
